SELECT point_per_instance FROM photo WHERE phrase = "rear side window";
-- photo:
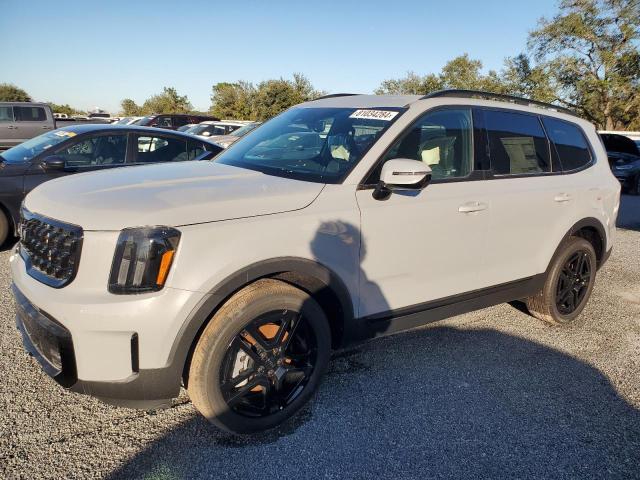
(569, 142)
(517, 143)
(29, 114)
(6, 114)
(161, 149)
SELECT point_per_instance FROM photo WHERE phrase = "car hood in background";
(170, 194)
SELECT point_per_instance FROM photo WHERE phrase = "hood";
(171, 194)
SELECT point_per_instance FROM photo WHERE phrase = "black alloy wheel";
(268, 364)
(573, 282)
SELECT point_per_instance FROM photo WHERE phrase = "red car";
(172, 121)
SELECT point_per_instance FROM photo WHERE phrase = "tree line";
(586, 58)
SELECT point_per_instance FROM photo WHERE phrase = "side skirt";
(394, 321)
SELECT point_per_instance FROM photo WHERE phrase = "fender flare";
(199, 317)
(589, 222)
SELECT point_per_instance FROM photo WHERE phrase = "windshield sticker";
(385, 115)
(65, 134)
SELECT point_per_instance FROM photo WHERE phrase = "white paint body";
(447, 239)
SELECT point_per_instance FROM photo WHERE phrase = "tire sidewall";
(232, 322)
(4, 228)
(574, 245)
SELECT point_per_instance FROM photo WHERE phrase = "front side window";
(29, 114)
(569, 142)
(312, 144)
(197, 150)
(6, 114)
(35, 146)
(163, 122)
(517, 143)
(441, 139)
(161, 149)
(96, 151)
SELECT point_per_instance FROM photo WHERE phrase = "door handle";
(46, 128)
(471, 207)
(562, 198)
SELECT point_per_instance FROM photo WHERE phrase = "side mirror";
(54, 163)
(401, 174)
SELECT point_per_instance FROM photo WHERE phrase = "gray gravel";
(492, 394)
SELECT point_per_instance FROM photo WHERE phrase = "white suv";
(339, 220)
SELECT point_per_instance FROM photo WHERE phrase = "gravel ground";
(492, 394)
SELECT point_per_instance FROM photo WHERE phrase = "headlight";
(143, 259)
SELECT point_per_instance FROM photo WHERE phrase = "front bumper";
(51, 344)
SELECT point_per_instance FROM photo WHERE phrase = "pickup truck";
(20, 121)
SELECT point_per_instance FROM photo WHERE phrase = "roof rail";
(458, 93)
(332, 95)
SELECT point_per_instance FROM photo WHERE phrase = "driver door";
(428, 244)
(88, 153)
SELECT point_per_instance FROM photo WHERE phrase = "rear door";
(158, 148)
(31, 121)
(8, 132)
(530, 207)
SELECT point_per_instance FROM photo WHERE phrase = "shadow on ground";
(629, 215)
(438, 402)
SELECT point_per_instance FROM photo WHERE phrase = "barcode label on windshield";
(385, 115)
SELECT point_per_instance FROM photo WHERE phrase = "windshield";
(29, 149)
(244, 130)
(312, 144)
(145, 120)
(123, 121)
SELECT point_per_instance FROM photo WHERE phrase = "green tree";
(243, 100)
(590, 52)
(233, 100)
(11, 93)
(130, 108)
(461, 72)
(166, 102)
(521, 78)
(66, 108)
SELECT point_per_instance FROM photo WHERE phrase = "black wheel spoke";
(573, 282)
(281, 365)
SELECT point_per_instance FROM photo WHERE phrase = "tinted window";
(161, 149)
(163, 122)
(29, 114)
(180, 121)
(197, 149)
(6, 114)
(443, 140)
(517, 143)
(619, 143)
(569, 142)
(96, 151)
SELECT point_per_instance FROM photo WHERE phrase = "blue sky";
(90, 53)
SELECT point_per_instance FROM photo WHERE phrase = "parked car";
(624, 158)
(215, 128)
(225, 141)
(236, 278)
(83, 148)
(186, 127)
(172, 121)
(20, 121)
(127, 120)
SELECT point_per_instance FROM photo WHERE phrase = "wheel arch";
(592, 230)
(314, 278)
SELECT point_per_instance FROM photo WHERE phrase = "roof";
(101, 127)
(364, 101)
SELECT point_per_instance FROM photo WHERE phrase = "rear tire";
(4, 228)
(260, 358)
(568, 286)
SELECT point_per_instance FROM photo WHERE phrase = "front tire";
(260, 358)
(568, 285)
(4, 228)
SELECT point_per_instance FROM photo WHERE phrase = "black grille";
(50, 248)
